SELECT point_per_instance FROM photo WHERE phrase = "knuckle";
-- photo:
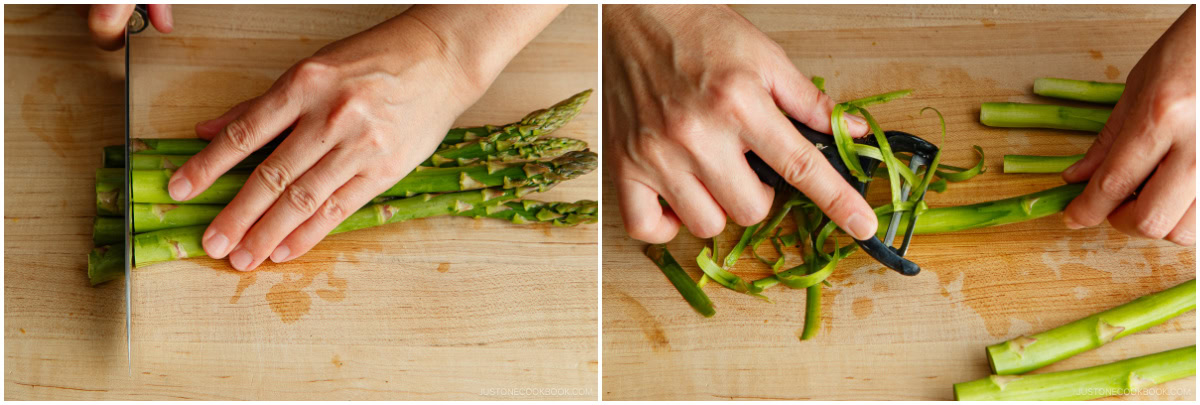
(274, 177)
(685, 129)
(310, 72)
(1171, 105)
(301, 198)
(798, 167)
(334, 210)
(240, 134)
(1116, 186)
(641, 230)
(1153, 226)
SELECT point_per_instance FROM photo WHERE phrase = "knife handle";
(139, 19)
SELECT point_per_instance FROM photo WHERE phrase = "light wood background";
(886, 336)
(448, 308)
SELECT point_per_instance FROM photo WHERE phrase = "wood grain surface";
(886, 336)
(447, 308)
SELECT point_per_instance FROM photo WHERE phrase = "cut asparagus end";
(1021, 115)
(1080, 90)
(1083, 384)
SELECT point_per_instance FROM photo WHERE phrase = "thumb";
(107, 23)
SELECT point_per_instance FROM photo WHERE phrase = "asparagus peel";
(1028, 353)
(1105, 380)
(680, 279)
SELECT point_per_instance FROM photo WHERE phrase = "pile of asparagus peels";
(484, 171)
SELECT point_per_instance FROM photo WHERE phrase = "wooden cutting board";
(449, 308)
(886, 336)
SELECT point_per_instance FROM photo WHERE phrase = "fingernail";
(280, 254)
(857, 124)
(205, 126)
(1071, 224)
(170, 18)
(1070, 170)
(241, 259)
(179, 188)
(215, 245)
(859, 227)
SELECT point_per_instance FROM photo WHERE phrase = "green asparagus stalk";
(1038, 164)
(992, 213)
(1094, 92)
(1020, 115)
(1122, 377)
(680, 279)
(108, 230)
(544, 121)
(183, 242)
(1028, 353)
(153, 217)
(110, 193)
(517, 143)
(530, 211)
(150, 186)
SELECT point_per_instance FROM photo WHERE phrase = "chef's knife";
(137, 23)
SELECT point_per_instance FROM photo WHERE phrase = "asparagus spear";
(183, 242)
(1105, 380)
(1021, 115)
(544, 121)
(110, 193)
(1028, 353)
(153, 217)
(150, 186)
(1038, 164)
(1095, 92)
(516, 143)
(1000, 212)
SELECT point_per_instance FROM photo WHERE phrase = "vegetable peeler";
(922, 152)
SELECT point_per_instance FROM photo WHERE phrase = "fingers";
(297, 204)
(107, 24)
(1185, 232)
(267, 183)
(1167, 196)
(799, 162)
(1132, 157)
(264, 119)
(1084, 168)
(694, 205)
(735, 186)
(801, 99)
(349, 198)
(208, 130)
(645, 219)
(161, 18)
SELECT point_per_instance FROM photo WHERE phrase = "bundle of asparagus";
(477, 172)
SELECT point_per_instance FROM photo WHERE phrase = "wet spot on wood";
(1111, 72)
(651, 328)
(292, 297)
(444, 267)
(337, 362)
(23, 329)
(881, 287)
(863, 307)
(1097, 55)
(57, 115)
(987, 22)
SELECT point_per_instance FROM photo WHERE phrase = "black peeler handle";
(899, 141)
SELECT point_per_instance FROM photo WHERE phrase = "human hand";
(1150, 134)
(690, 89)
(107, 22)
(365, 111)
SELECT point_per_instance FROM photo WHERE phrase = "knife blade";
(137, 22)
